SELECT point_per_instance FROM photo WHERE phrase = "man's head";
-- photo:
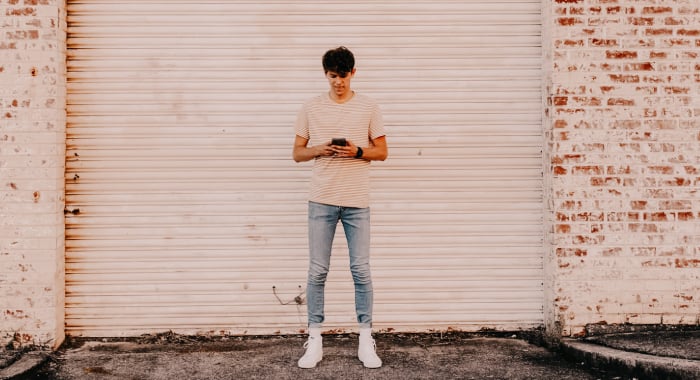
(339, 60)
(339, 66)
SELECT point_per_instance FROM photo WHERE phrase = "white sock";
(314, 332)
(365, 332)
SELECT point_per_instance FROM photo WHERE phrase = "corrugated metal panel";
(186, 212)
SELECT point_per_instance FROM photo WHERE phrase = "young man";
(342, 131)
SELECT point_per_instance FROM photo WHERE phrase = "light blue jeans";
(323, 220)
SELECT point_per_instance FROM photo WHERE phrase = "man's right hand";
(302, 152)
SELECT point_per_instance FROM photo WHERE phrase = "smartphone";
(340, 141)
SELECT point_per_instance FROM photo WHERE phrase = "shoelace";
(308, 342)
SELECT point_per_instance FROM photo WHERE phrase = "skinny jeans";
(323, 220)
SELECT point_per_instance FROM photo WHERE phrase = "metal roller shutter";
(185, 211)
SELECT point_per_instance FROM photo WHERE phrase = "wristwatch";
(359, 152)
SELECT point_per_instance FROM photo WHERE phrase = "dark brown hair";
(339, 60)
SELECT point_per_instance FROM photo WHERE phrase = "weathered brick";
(569, 21)
(641, 21)
(658, 32)
(656, 10)
(616, 78)
(620, 102)
(621, 54)
(603, 42)
(690, 33)
(27, 11)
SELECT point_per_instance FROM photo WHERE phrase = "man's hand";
(324, 150)
(349, 150)
(302, 152)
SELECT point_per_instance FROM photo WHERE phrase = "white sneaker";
(367, 352)
(314, 352)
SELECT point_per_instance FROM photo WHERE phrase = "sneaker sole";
(311, 366)
(370, 366)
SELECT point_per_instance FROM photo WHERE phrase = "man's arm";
(302, 152)
(379, 150)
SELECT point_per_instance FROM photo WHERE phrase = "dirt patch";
(170, 338)
(15, 349)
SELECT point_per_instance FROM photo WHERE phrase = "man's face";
(339, 85)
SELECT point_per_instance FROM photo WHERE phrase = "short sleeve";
(376, 123)
(301, 127)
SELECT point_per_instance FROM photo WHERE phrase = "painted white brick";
(620, 98)
(32, 146)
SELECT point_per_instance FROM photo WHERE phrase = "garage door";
(185, 211)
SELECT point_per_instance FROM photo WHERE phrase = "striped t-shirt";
(340, 181)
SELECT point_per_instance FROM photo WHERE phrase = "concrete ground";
(405, 356)
(681, 344)
(643, 352)
(517, 355)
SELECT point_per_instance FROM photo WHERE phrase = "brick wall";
(32, 146)
(622, 162)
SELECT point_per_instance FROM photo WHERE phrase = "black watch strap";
(359, 152)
